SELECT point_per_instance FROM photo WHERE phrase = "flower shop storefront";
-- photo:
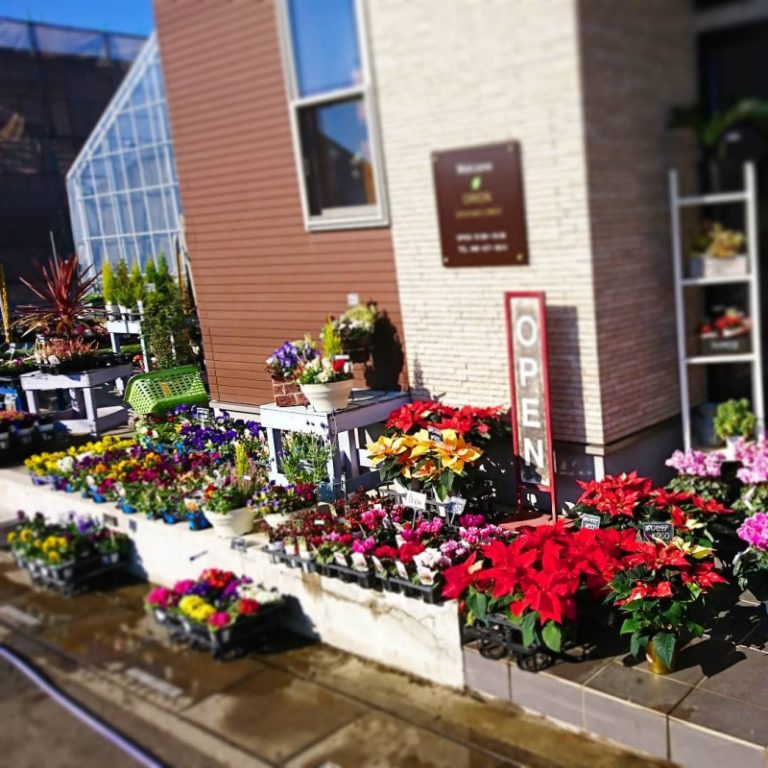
(610, 620)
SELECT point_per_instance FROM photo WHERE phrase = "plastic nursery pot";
(656, 665)
(126, 508)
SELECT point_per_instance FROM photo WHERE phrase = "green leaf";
(477, 602)
(529, 628)
(637, 643)
(552, 634)
(664, 642)
(629, 626)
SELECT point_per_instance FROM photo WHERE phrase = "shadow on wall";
(387, 358)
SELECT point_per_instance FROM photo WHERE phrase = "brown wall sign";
(480, 205)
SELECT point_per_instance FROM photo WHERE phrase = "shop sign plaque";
(480, 205)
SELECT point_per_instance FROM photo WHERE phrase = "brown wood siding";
(260, 278)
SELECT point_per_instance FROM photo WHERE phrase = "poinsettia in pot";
(326, 383)
(661, 589)
(283, 365)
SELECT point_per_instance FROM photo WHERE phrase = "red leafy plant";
(536, 579)
(661, 589)
(466, 421)
(628, 500)
(62, 290)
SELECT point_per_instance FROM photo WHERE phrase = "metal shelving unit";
(747, 198)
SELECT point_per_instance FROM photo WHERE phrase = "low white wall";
(391, 629)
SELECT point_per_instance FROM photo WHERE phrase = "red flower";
(385, 552)
(246, 606)
(710, 506)
(459, 577)
(338, 365)
(409, 550)
(705, 576)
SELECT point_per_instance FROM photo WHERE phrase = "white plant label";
(416, 500)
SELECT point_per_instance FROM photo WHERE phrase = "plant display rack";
(84, 413)
(366, 412)
(747, 198)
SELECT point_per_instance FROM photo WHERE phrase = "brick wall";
(476, 72)
(635, 65)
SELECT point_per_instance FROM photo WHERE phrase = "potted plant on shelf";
(227, 505)
(718, 252)
(326, 384)
(304, 460)
(355, 329)
(728, 333)
(734, 421)
(282, 366)
(750, 567)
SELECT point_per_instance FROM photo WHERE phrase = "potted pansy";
(751, 566)
(283, 365)
(327, 384)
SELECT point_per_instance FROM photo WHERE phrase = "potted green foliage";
(734, 421)
(355, 328)
(108, 289)
(123, 293)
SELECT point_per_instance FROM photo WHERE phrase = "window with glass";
(332, 113)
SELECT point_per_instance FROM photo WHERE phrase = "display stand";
(84, 415)
(367, 409)
(127, 325)
(683, 282)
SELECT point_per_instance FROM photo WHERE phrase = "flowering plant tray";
(229, 642)
(429, 593)
(74, 577)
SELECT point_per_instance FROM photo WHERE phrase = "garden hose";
(116, 738)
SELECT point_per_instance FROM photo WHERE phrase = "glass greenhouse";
(123, 190)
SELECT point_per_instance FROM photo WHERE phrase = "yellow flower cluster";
(725, 243)
(422, 457)
(42, 464)
(194, 607)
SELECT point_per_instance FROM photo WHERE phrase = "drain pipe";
(77, 710)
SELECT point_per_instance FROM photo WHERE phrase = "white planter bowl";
(324, 398)
(236, 522)
(711, 266)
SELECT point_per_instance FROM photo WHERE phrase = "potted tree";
(108, 289)
(734, 421)
(123, 293)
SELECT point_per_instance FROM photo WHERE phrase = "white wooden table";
(347, 431)
(84, 415)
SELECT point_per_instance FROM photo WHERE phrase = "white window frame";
(346, 217)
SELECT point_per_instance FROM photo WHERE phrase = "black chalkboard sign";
(590, 522)
(663, 531)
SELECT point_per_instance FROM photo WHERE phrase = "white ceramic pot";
(730, 447)
(324, 398)
(236, 522)
(712, 266)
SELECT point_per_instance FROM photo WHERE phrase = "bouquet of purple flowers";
(285, 362)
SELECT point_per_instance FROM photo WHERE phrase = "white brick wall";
(459, 73)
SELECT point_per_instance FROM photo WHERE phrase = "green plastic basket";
(159, 391)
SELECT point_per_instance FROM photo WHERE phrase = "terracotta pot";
(325, 398)
(658, 667)
(287, 393)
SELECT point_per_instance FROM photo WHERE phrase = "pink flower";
(219, 620)
(183, 587)
(159, 596)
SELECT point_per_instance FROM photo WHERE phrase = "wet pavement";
(292, 703)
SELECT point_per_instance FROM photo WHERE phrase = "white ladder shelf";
(747, 198)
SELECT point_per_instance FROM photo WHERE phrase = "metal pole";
(753, 256)
(682, 352)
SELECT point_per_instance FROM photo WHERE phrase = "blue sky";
(133, 16)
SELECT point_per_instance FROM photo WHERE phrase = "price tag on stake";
(341, 559)
(663, 531)
(456, 505)
(359, 562)
(378, 565)
(590, 522)
(435, 434)
(238, 543)
(416, 500)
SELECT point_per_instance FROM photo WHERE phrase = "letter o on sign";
(526, 330)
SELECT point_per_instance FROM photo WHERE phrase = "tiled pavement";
(712, 711)
(291, 704)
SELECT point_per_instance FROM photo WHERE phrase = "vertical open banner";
(529, 388)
